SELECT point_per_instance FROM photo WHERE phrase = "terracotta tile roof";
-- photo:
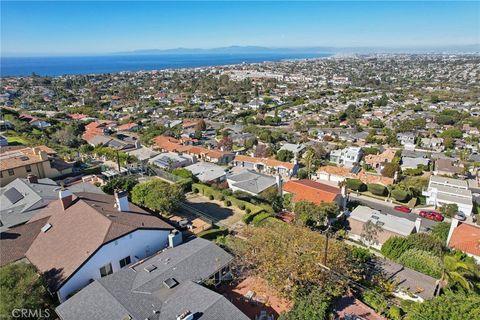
(308, 190)
(385, 156)
(22, 157)
(127, 126)
(16, 241)
(77, 232)
(363, 176)
(267, 161)
(466, 237)
(169, 143)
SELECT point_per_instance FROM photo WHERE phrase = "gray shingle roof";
(251, 181)
(141, 295)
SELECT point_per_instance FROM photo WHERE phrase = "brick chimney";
(66, 197)
(121, 200)
(31, 178)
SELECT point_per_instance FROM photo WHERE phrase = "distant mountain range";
(474, 48)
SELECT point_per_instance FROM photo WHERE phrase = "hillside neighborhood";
(338, 188)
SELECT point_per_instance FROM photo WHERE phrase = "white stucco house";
(347, 157)
(442, 190)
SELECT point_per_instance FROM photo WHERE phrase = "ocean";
(57, 66)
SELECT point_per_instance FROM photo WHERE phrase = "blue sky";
(45, 28)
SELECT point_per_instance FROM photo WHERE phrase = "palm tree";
(458, 271)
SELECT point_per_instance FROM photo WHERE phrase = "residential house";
(445, 167)
(442, 191)
(315, 192)
(251, 182)
(266, 165)
(390, 225)
(465, 237)
(435, 144)
(296, 149)
(34, 121)
(38, 161)
(413, 163)
(22, 198)
(86, 236)
(207, 172)
(347, 157)
(336, 175)
(407, 139)
(378, 161)
(171, 160)
(165, 286)
(129, 127)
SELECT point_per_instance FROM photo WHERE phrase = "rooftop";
(388, 222)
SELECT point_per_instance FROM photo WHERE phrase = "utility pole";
(326, 248)
(118, 162)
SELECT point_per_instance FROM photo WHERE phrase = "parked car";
(432, 215)
(402, 209)
(460, 216)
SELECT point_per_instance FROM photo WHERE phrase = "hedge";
(400, 195)
(377, 189)
(258, 218)
(422, 261)
(212, 234)
(209, 191)
(356, 185)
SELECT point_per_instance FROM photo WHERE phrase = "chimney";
(174, 238)
(418, 224)
(279, 184)
(121, 199)
(66, 197)
(31, 178)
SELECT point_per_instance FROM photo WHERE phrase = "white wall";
(133, 244)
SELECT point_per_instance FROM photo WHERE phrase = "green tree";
(285, 155)
(446, 307)
(308, 213)
(370, 232)
(460, 271)
(440, 231)
(158, 195)
(389, 169)
(123, 183)
(449, 209)
(21, 287)
(422, 261)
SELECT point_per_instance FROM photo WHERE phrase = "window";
(11, 172)
(124, 262)
(28, 168)
(106, 270)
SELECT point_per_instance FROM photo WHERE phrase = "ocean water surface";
(57, 66)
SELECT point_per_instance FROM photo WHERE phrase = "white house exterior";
(347, 157)
(443, 191)
(135, 246)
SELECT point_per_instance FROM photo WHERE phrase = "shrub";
(356, 185)
(211, 197)
(241, 206)
(247, 218)
(302, 174)
(377, 189)
(195, 190)
(248, 210)
(440, 231)
(394, 313)
(400, 195)
(375, 300)
(394, 247)
(257, 219)
(227, 203)
(221, 197)
(422, 261)
(426, 242)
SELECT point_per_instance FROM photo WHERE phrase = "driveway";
(387, 207)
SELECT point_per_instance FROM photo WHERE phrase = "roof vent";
(24, 158)
(46, 227)
(170, 283)
(150, 268)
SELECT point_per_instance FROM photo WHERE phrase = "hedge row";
(218, 195)
(258, 218)
(212, 234)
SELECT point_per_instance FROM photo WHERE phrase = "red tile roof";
(308, 190)
(466, 237)
(267, 161)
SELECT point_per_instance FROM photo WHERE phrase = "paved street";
(387, 207)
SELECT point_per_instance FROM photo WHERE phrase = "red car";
(402, 209)
(432, 215)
